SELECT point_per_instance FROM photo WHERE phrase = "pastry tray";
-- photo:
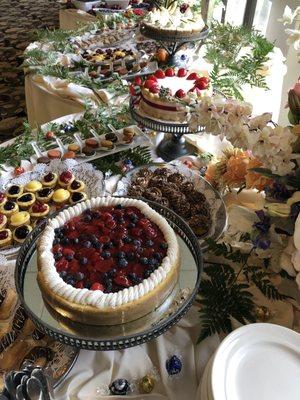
(120, 336)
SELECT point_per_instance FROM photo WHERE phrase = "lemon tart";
(19, 218)
(61, 196)
(33, 186)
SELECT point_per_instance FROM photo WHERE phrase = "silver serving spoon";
(8, 383)
(34, 389)
(40, 375)
(19, 393)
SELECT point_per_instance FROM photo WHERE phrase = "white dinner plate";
(258, 362)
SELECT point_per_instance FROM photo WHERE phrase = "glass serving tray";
(117, 336)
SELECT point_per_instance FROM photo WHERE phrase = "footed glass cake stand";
(174, 144)
(91, 337)
(172, 41)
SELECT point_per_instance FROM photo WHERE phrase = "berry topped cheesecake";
(166, 94)
(107, 261)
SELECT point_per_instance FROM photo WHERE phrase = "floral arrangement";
(290, 17)
(270, 144)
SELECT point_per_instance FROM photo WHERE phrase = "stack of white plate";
(255, 362)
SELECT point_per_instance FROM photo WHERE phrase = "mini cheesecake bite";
(76, 186)
(26, 200)
(33, 186)
(77, 197)
(21, 233)
(3, 221)
(9, 208)
(49, 180)
(5, 237)
(61, 196)
(14, 191)
(45, 195)
(65, 179)
(39, 210)
(19, 218)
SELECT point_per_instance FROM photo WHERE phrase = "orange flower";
(210, 173)
(255, 180)
(236, 169)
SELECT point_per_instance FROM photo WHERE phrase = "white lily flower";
(293, 38)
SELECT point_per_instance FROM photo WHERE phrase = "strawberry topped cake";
(107, 261)
(166, 94)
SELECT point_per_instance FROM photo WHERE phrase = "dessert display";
(36, 200)
(174, 19)
(107, 261)
(109, 55)
(175, 191)
(167, 94)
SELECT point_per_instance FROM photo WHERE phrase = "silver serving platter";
(213, 197)
(118, 336)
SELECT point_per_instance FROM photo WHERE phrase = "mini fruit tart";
(39, 210)
(76, 186)
(44, 195)
(49, 180)
(5, 237)
(93, 143)
(65, 179)
(21, 233)
(77, 197)
(14, 191)
(33, 186)
(3, 198)
(19, 218)
(74, 147)
(107, 144)
(112, 137)
(26, 200)
(9, 208)
(3, 221)
(61, 196)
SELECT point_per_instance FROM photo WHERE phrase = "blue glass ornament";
(127, 161)
(119, 387)
(173, 365)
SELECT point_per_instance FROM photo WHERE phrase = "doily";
(216, 204)
(93, 179)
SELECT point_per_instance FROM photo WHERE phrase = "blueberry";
(108, 245)
(70, 280)
(69, 257)
(158, 256)
(163, 245)
(87, 218)
(83, 260)
(127, 161)
(131, 225)
(121, 254)
(119, 207)
(96, 214)
(63, 274)
(57, 256)
(121, 220)
(122, 262)
(127, 239)
(57, 231)
(56, 241)
(65, 241)
(134, 218)
(76, 240)
(112, 272)
(144, 260)
(87, 244)
(79, 276)
(97, 245)
(108, 286)
(149, 243)
(147, 273)
(134, 278)
(87, 285)
(137, 242)
(106, 255)
(130, 256)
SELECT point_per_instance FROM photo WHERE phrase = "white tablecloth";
(70, 19)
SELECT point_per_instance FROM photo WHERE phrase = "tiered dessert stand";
(114, 337)
(170, 147)
(173, 42)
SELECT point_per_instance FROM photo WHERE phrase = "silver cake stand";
(174, 144)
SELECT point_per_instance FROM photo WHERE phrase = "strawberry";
(136, 232)
(192, 76)
(79, 285)
(160, 74)
(154, 89)
(132, 90)
(202, 83)
(49, 135)
(74, 266)
(149, 83)
(181, 72)
(180, 93)
(122, 280)
(111, 224)
(138, 80)
(104, 239)
(104, 265)
(61, 265)
(169, 72)
(152, 78)
(97, 286)
(19, 171)
(68, 252)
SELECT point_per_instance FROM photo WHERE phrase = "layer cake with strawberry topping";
(107, 261)
(167, 94)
